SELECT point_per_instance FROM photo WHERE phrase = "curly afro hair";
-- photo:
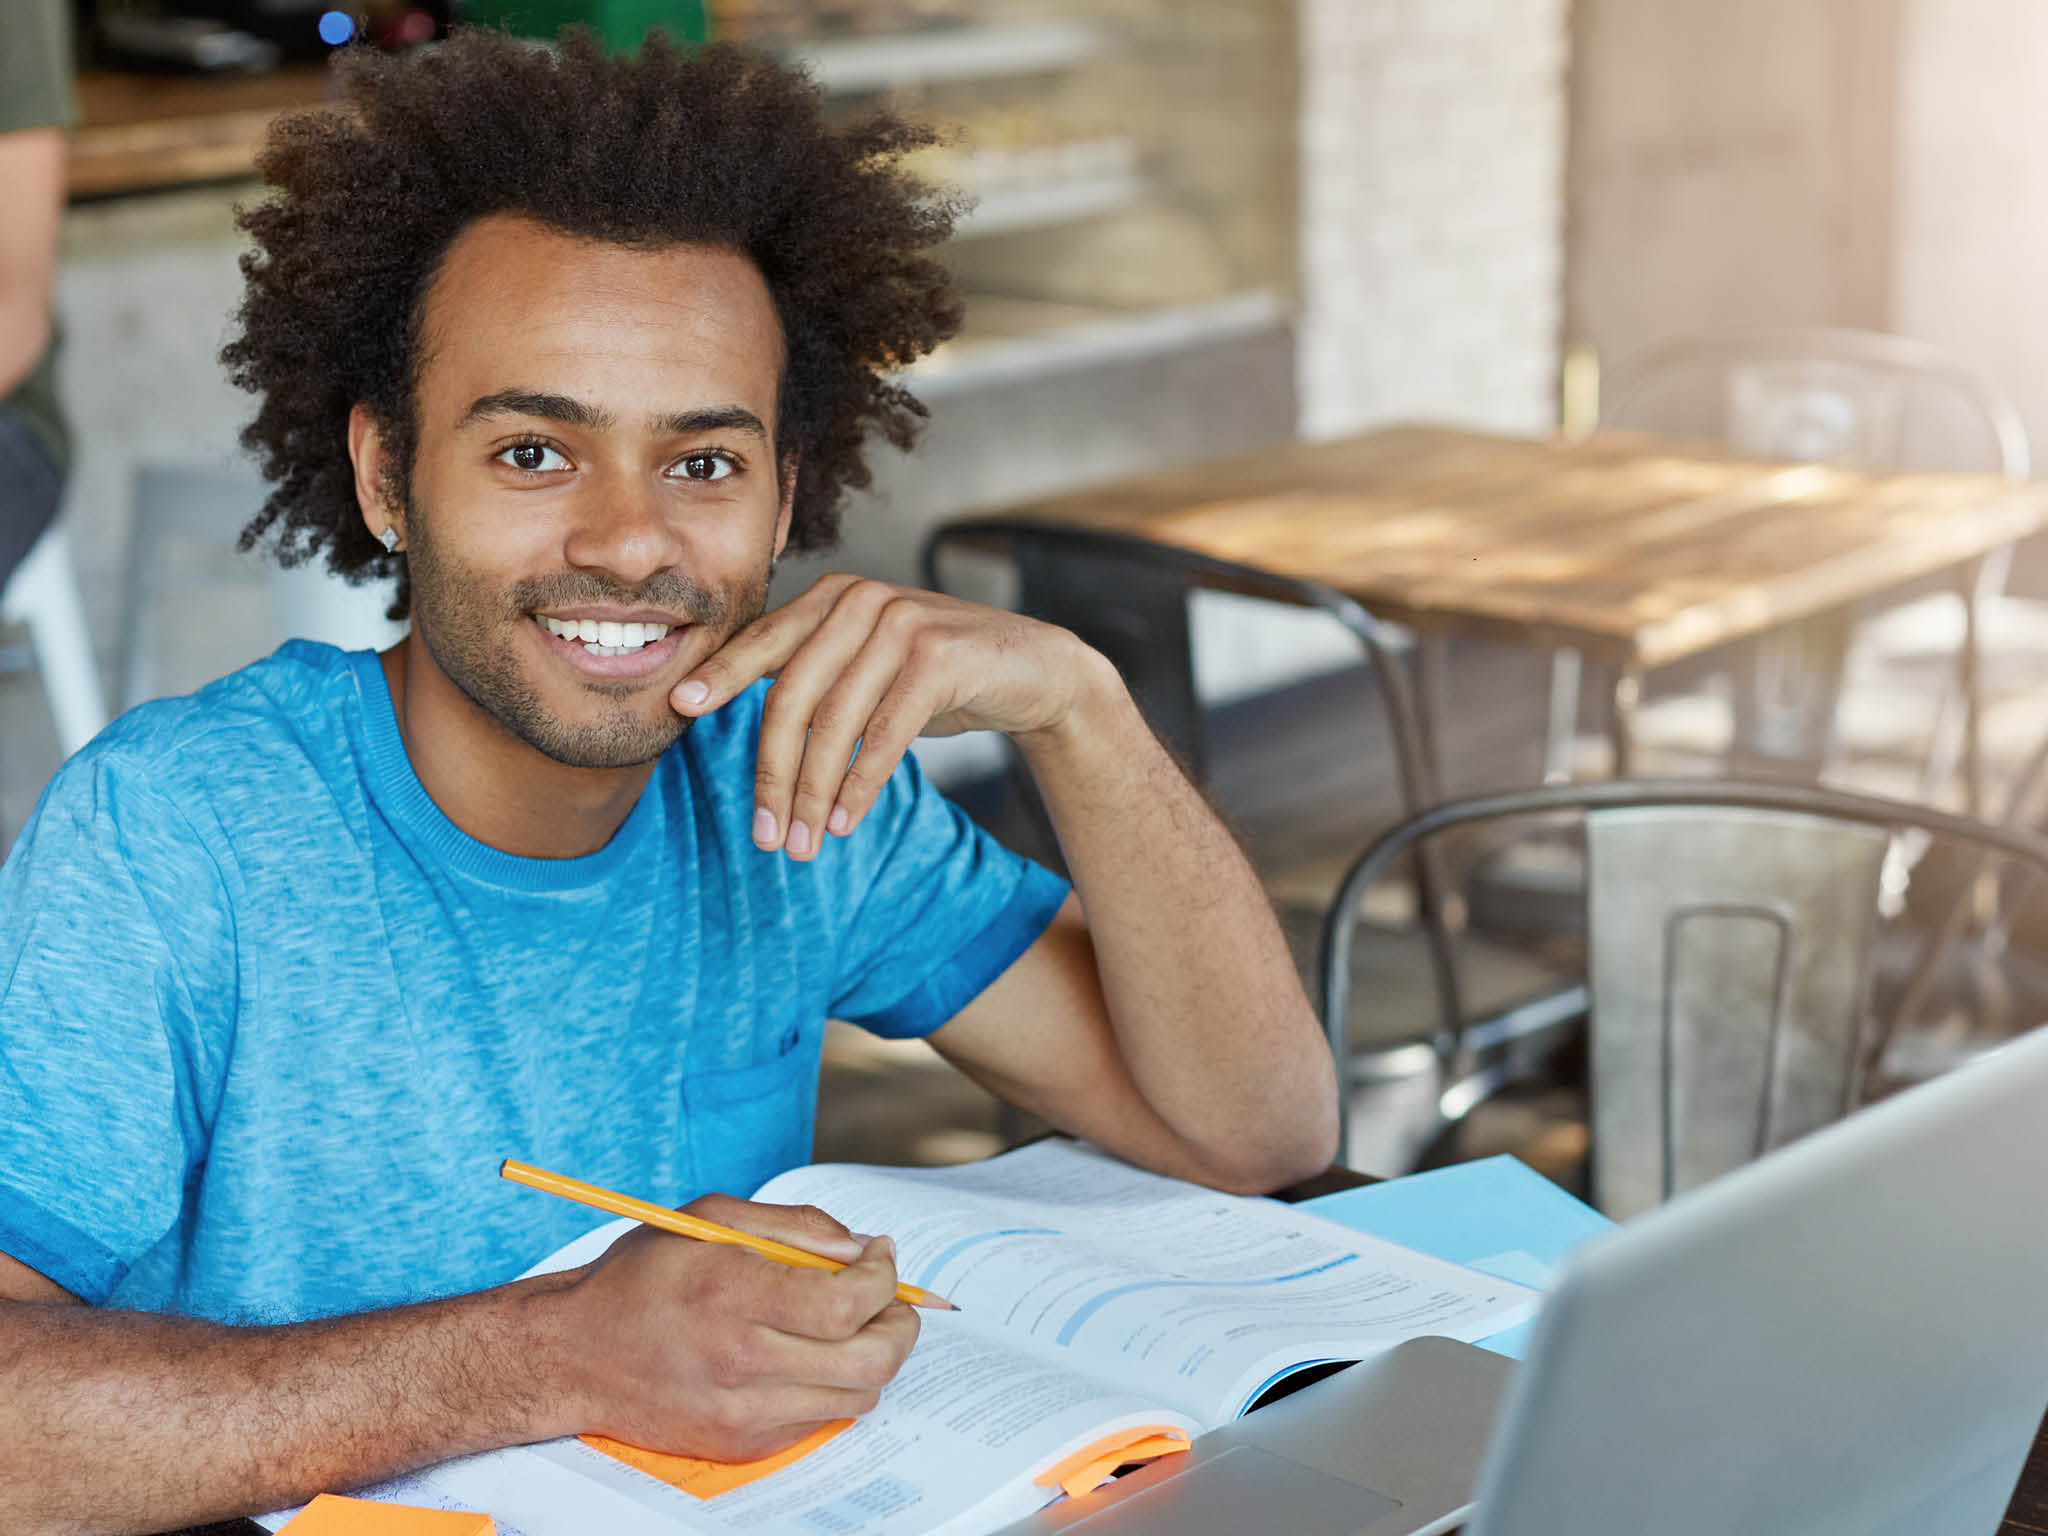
(722, 146)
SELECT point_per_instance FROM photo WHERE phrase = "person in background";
(35, 106)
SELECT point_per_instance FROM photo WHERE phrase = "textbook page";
(1096, 1299)
(1198, 1299)
(950, 1451)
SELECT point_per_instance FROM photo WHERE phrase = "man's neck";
(492, 785)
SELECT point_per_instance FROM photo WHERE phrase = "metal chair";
(1128, 598)
(1857, 398)
(1730, 933)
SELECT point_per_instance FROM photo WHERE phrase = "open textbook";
(1106, 1315)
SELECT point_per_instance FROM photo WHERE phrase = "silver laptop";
(1847, 1338)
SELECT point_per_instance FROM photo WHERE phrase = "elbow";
(1292, 1141)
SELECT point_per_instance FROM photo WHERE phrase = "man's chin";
(608, 744)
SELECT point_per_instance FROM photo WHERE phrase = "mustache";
(667, 590)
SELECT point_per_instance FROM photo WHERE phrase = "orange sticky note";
(703, 1479)
(332, 1515)
(1090, 1466)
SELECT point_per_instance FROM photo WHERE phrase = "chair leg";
(1621, 721)
(1985, 580)
(44, 595)
(1562, 724)
(1433, 698)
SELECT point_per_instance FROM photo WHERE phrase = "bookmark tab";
(1091, 1466)
(332, 1515)
(703, 1479)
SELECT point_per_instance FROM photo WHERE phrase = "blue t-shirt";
(269, 1020)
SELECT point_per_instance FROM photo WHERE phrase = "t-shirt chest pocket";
(747, 1124)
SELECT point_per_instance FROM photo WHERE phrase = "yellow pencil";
(693, 1226)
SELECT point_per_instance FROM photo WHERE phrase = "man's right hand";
(676, 1345)
(708, 1349)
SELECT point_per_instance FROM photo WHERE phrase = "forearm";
(123, 1421)
(1202, 994)
(32, 169)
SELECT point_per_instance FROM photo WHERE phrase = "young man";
(573, 348)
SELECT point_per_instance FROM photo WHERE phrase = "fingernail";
(695, 691)
(764, 827)
(838, 822)
(863, 1238)
(799, 838)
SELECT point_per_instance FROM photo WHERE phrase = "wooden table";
(1630, 550)
(140, 133)
(2026, 1516)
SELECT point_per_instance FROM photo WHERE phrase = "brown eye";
(532, 458)
(706, 466)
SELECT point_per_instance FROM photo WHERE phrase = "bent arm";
(1170, 1025)
(32, 171)
(207, 1422)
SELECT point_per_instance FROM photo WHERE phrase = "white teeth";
(603, 637)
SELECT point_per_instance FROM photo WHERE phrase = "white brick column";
(1432, 212)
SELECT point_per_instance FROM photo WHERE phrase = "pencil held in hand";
(684, 1225)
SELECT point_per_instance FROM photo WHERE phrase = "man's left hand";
(860, 664)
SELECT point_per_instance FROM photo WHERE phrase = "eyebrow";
(577, 413)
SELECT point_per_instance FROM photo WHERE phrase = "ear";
(786, 490)
(367, 453)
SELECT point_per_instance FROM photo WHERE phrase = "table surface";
(145, 132)
(1638, 550)
(2026, 1516)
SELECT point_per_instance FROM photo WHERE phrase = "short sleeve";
(117, 992)
(939, 909)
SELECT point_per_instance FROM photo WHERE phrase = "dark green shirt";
(35, 92)
(35, 66)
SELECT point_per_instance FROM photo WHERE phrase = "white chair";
(43, 594)
(183, 559)
(1870, 401)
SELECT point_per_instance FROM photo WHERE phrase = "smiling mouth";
(602, 637)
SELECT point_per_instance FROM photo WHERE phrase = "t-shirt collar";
(395, 786)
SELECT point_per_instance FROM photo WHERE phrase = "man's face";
(595, 501)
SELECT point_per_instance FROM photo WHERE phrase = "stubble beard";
(468, 631)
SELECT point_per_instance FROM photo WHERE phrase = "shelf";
(1076, 339)
(947, 53)
(1003, 210)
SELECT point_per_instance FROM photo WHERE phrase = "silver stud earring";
(389, 539)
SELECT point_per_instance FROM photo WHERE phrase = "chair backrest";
(1126, 595)
(1730, 926)
(1727, 954)
(1860, 398)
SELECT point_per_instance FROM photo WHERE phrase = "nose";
(624, 530)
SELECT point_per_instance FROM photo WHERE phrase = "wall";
(1731, 165)
(1970, 232)
(1432, 154)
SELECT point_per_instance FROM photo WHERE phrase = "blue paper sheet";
(1496, 1214)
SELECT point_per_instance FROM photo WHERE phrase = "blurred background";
(1203, 227)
